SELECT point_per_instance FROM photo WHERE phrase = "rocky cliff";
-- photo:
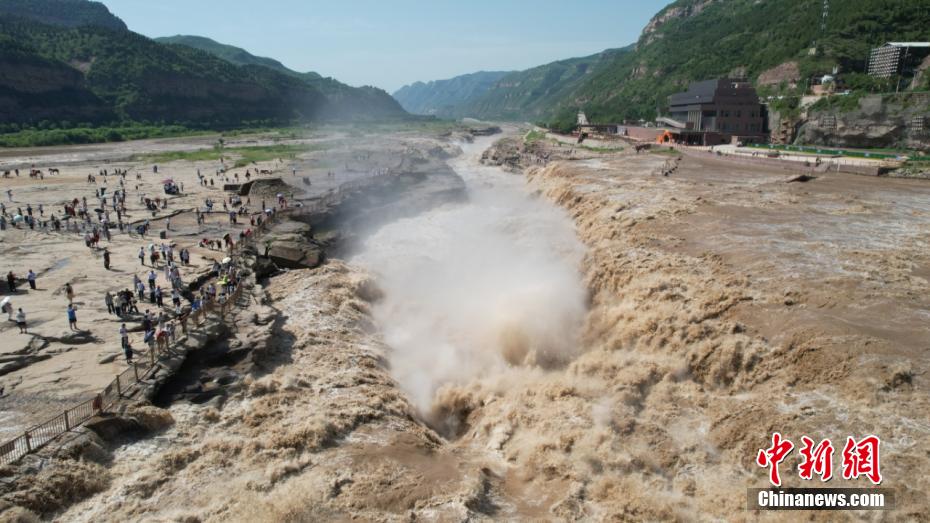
(45, 90)
(877, 121)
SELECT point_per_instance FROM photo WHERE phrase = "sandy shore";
(61, 367)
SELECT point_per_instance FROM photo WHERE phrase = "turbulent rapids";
(586, 340)
(473, 289)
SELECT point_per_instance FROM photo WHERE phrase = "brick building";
(719, 111)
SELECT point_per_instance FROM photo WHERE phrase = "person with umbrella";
(6, 305)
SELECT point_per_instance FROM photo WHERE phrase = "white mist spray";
(472, 289)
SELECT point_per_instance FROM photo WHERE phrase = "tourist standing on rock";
(147, 321)
(124, 343)
(131, 303)
(149, 338)
(106, 259)
(108, 299)
(119, 303)
(31, 278)
(142, 256)
(11, 281)
(124, 336)
(21, 321)
(72, 318)
(69, 292)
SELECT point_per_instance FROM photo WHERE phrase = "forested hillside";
(768, 41)
(71, 63)
(697, 39)
(66, 13)
(445, 98)
(232, 54)
(343, 100)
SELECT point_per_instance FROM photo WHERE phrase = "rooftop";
(908, 44)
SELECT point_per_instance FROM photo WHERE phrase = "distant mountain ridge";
(64, 13)
(535, 93)
(691, 40)
(71, 62)
(516, 95)
(232, 54)
(343, 99)
(445, 98)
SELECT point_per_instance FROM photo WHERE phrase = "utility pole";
(824, 16)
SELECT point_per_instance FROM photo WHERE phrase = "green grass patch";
(877, 154)
(663, 150)
(419, 125)
(243, 156)
(248, 155)
(87, 135)
(534, 136)
(600, 149)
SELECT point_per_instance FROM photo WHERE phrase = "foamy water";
(472, 289)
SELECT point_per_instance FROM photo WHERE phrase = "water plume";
(476, 288)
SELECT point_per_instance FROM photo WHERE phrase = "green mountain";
(65, 13)
(78, 66)
(344, 100)
(445, 98)
(768, 41)
(698, 39)
(232, 54)
(35, 89)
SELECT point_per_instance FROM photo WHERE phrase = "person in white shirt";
(21, 321)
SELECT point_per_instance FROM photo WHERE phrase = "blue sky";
(390, 43)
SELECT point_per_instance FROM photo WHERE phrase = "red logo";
(819, 460)
(774, 455)
(861, 459)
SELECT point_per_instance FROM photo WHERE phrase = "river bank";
(586, 335)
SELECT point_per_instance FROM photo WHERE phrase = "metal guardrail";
(124, 385)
